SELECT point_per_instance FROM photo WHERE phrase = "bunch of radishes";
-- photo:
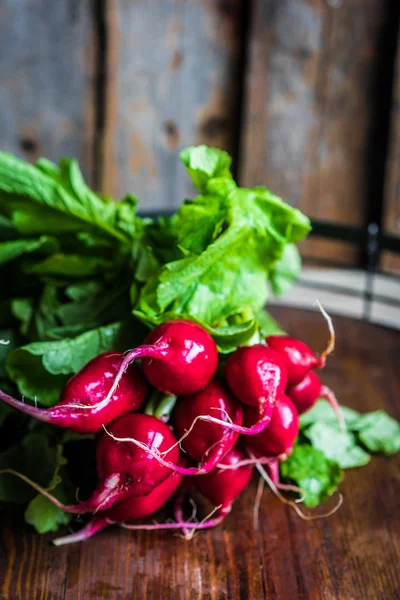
(219, 428)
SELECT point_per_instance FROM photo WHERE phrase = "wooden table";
(353, 555)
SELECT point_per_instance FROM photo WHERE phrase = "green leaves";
(322, 412)
(42, 514)
(36, 457)
(286, 270)
(232, 240)
(59, 188)
(205, 163)
(41, 369)
(313, 472)
(316, 466)
(378, 432)
(15, 248)
(337, 446)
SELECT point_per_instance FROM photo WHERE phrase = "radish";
(205, 441)
(278, 438)
(211, 439)
(298, 357)
(257, 376)
(306, 393)
(131, 509)
(221, 487)
(124, 471)
(81, 408)
(178, 358)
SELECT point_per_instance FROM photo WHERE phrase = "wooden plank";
(391, 222)
(352, 555)
(171, 82)
(312, 65)
(47, 54)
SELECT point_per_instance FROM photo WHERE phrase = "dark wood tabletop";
(352, 555)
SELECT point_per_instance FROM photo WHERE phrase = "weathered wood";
(312, 66)
(352, 555)
(391, 221)
(47, 54)
(171, 82)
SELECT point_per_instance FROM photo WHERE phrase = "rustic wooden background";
(304, 93)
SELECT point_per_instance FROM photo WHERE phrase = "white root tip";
(257, 503)
(331, 343)
(295, 507)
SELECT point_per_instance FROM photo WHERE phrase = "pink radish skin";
(178, 358)
(305, 394)
(131, 509)
(298, 357)
(207, 442)
(81, 408)
(278, 438)
(125, 471)
(205, 437)
(257, 376)
(220, 487)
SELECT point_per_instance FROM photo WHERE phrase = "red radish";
(298, 357)
(207, 442)
(81, 408)
(179, 357)
(220, 486)
(131, 509)
(278, 438)
(306, 393)
(257, 376)
(124, 471)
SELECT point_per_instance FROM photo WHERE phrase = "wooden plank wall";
(125, 84)
(391, 261)
(172, 81)
(309, 107)
(47, 64)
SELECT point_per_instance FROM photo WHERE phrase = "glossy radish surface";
(305, 394)
(141, 472)
(278, 438)
(222, 487)
(208, 442)
(179, 357)
(257, 376)
(141, 507)
(131, 509)
(298, 357)
(124, 470)
(82, 408)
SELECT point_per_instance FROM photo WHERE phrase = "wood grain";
(391, 222)
(352, 555)
(312, 68)
(47, 54)
(171, 82)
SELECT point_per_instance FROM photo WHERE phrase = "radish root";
(329, 395)
(257, 502)
(102, 498)
(292, 504)
(331, 343)
(206, 523)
